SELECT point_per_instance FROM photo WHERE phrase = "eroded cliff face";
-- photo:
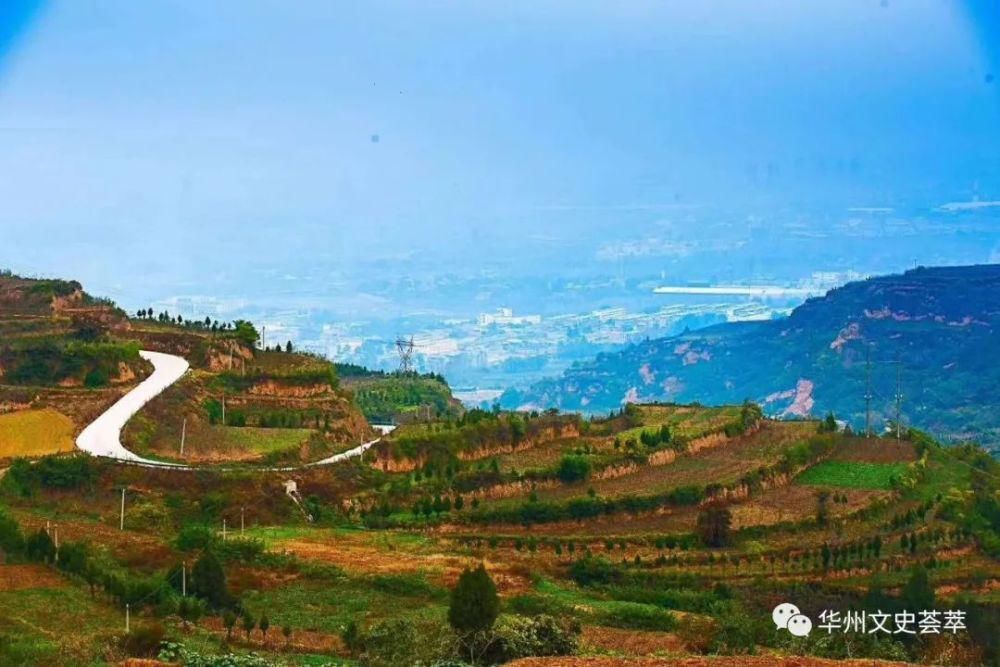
(386, 461)
(280, 390)
(228, 355)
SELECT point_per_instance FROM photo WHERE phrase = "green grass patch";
(852, 474)
(597, 609)
(55, 626)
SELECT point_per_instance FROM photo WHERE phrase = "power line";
(868, 391)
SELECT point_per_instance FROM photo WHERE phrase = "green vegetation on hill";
(853, 474)
(938, 323)
(52, 361)
(394, 397)
(469, 538)
(614, 549)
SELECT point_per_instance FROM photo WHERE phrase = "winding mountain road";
(103, 436)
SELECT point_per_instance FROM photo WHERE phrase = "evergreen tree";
(229, 621)
(248, 624)
(39, 547)
(822, 507)
(714, 523)
(208, 581)
(474, 602)
(918, 594)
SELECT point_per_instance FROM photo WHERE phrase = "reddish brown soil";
(713, 661)
(21, 577)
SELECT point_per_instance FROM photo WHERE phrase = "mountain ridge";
(933, 327)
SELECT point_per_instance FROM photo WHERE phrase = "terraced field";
(721, 464)
(35, 433)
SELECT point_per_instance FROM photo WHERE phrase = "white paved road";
(103, 436)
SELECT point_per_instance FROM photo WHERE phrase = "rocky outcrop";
(273, 388)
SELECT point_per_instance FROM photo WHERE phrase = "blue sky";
(186, 142)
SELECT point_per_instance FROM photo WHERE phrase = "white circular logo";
(782, 613)
(800, 625)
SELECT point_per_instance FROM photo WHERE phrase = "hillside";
(660, 533)
(663, 534)
(939, 324)
(397, 398)
(66, 356)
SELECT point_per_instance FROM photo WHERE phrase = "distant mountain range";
(932, 330)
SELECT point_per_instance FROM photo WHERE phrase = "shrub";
(11, 538)
(591, 570)
(243, 550)
(192, 538)
(390, 643)
(636, 616)
(516, 637)
(573, 468)
(54, 472)
(144, 640)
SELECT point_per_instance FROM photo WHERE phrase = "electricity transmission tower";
(405, 348)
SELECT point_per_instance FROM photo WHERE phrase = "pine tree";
(248, 624)
(474, 602)
(713, 525)
(918, 594)
(229, 621)
(208, 580)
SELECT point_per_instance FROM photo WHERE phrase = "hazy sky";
(175, 142)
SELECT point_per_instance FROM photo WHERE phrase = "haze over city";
(555, 159)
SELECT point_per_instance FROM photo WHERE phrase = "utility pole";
(121, 523)
(223, 408)
(242, 522)
(183, 434)
(223, 529)
(184, 580)
(263, 337)
(868, 391)
(899, 398)
(126, 617)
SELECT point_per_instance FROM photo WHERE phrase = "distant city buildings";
(506, 317)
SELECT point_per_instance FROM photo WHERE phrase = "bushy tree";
(39, 547)
(573, 468)
(248, 623)
(474, 602)
(208, 580)
(918, 594)
(229, 621)
(714, 522)
(190, 610)
(11, 539)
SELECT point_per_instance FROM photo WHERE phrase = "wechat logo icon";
(787, 616)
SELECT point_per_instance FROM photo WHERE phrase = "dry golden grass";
(21, 577)
(701, 661)
(795, 503)
(35, 433)
(632, 642)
